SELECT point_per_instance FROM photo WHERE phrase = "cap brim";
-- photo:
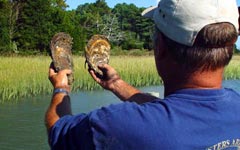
(148, 13)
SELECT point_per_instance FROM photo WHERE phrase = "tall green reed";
(137, 71)
(23, 76)
(232, 71)
(28, 76)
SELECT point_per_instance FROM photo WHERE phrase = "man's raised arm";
(112, 81)
(60, 103)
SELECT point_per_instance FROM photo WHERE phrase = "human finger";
(94, 76)
(104, 66)
(65, 71)
(51, 70)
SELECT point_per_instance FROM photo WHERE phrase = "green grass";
(138, 71)
(23, 76)
(232, 71)
(28, 76)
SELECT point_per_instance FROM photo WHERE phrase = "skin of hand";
(112, 81)
(59, 79)
(60, 104)
(110, 77)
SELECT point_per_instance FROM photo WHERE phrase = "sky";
(111, 3)
(139, 3)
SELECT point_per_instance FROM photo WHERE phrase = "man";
(193, 43)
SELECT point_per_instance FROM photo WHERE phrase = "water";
(22, 124)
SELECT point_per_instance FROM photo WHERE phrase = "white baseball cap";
(181, 20)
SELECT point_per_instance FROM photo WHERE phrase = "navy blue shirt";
(189, 119)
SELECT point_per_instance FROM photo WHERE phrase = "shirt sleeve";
(71, 132)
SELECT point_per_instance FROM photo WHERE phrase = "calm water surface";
(22, 125)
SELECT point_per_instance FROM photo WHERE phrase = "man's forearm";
(126, 92)
(59, 107)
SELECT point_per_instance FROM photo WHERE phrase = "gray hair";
(212, 49)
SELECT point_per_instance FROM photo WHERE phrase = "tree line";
(27, 26)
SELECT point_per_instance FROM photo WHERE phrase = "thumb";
(104, 67)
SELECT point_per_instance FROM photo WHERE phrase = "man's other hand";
(110, 76)
(59, 79)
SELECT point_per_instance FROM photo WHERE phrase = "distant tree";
(89, 18)
(121, 11)
(36, 25)
(4, 38)
(61, 4)
(101, 8)
(144, 30)
(138, 29)
(27, 25)
(90, 15)
(86, 15)
(63, 20)
(9, 12)
(14, 10)
(110, 28)
(70, 25)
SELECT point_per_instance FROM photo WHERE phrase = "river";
(22, 124)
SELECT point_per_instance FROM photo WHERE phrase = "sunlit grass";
(23, 76)
(138, 71)
(232, 71)
(28, 76)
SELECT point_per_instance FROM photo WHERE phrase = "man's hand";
(110, 77)
(111, 81)
(59, 79)
(60, 104)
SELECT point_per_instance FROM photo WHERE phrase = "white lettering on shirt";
(235, 143)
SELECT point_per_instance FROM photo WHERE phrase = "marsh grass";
(138, 71)
(23, 76)
(28, 76)
(232, 71)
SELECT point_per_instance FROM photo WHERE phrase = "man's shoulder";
(206, 94)
(179, 100)
(233, 92)
(127, 112)
(126, 124)
(128, 109)
(116, 124)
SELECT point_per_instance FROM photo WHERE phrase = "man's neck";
(196, 80)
